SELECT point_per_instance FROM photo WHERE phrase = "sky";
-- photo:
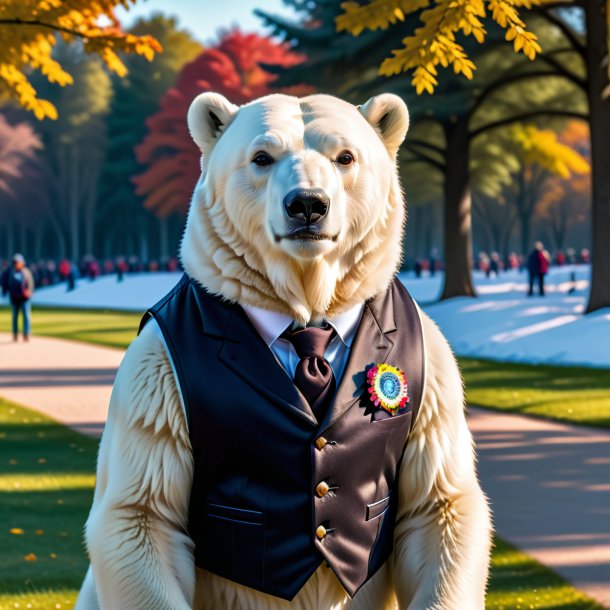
(204, 17)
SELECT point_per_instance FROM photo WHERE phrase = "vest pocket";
(235, 541)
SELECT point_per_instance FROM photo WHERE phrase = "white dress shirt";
(270, 325)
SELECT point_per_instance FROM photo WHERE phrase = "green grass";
(108, 328)
(518, 582)
(46, 487)
(572, 394)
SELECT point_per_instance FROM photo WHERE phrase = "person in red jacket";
(538, 267)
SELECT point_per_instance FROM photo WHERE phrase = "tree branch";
(562, 71)
(567, 31)
(421, 156)
(41, 24)
(526, 116)
(507, 80)
(441, 151)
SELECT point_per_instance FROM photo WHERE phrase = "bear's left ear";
(388, 115)
(208, 117)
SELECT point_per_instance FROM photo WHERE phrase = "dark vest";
(256, 504)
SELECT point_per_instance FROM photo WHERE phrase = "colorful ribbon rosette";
(388, 387)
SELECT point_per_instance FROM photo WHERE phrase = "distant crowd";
(493, 264)
(47, 272)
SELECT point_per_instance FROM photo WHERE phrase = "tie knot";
(310, 342)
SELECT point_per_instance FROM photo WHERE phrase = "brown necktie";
(314, 375)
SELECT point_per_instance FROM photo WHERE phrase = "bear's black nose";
(308, 205)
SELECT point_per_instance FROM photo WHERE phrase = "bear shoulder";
(145, 396)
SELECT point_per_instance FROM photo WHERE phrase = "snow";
(502, 323)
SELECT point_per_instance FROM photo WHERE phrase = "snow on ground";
(501, 324)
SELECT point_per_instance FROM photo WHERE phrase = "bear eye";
(262, 159)
(345, 158)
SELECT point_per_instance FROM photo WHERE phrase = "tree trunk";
(458, 219)
(599, 124)
(524, 221)
(74, 206)
(143, 231)
(23, 238)
(163, 237)
(10, 240)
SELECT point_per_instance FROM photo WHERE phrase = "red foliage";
(231, 68)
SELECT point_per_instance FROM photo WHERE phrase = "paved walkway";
(68, 381)
(549, 484)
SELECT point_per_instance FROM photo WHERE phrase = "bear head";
(299, 207)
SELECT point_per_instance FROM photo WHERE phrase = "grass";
(108, 328)
(46, 487)
(572, 394)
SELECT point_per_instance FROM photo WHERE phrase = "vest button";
(320, 532)
(322, 489)
(321, 443)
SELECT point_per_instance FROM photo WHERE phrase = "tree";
(29, 30)
(565, 202)
(21, 170)
(232, 67)
(75, 146)
(135, 98)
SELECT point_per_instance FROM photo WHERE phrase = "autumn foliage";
(232, 68)
(435, 41)
(28, 30)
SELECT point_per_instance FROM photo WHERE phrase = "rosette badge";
(388, 387)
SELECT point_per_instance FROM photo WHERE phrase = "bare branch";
(567, 31)
(568, 114)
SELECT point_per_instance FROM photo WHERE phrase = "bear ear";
(209, 115)
(388, 115)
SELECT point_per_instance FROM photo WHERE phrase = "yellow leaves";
(543, 148)
(377, 14)
(27, 31)
(434, 43)
(16, 531)
(31, 557)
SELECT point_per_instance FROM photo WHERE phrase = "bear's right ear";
(208, 117)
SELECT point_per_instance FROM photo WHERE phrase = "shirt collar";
(271, 324)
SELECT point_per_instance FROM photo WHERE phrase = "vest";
(275, 492)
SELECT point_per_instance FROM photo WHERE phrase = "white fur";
(141, 556)
(236, 210)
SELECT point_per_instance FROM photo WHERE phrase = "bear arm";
(443, 526)
(141, 554)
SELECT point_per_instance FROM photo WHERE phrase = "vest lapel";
(247, 355)
(372, 344)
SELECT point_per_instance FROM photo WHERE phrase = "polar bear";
(297, 219)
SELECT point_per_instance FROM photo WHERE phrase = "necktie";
(314, 375)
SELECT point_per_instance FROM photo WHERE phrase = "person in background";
(537, 266)
(494, 265)
(18, 283)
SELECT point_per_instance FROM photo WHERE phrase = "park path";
(66, 380)
(549, 483)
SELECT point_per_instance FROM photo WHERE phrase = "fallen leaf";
(16, 530)
(30, 557)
